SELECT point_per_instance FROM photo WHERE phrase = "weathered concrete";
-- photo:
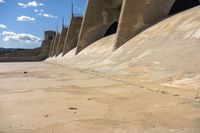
(51, 48)
(72, 34)
(55, 45)
(61, 41)
(149, 85)
(99, 16)
(45, 47)
(49, 35)
(136, 15)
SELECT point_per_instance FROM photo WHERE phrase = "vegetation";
(8, 50)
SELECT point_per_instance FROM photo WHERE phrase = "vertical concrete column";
(46, 44)
(136, 15)
(55, 44)
(99, 15)
(44, 51)
(51, 48)
(72, 34)
(61, 41)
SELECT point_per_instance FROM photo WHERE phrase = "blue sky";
(22, 21)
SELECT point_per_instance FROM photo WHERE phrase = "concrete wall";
(44, 50)
(136, 15)
(99, 16)
(48, 35)
(72, 34)
(55, 45)
(51, 48)
(61, 41)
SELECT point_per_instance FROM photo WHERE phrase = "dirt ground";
(45, 98)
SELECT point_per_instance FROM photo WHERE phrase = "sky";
(22, 22)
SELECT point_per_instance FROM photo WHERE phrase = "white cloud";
(25, 38)
(25, 18)
(30, 4)
(2, 1)
(47, 15)
(41, 4)
(77, 8)
(2, 26)
(36, 10)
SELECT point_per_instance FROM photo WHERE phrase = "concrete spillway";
(136, 15)
(72, 35)
(150, 84)
(156, 50)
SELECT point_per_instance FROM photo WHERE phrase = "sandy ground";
(57, 99)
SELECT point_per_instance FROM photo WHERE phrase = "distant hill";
(8, 50)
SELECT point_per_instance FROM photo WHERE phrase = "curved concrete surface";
(136, 15)
(168, 50)
(93, 54)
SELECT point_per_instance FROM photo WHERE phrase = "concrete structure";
(55, 45)
(61, 41)
(51, 48)
(150, 85)
(136, 15)
(72, 34)
(104, 17)
(99, 16)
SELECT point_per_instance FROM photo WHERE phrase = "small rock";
(25, 72)
(176, 95)
(72, 108)
(46, 115)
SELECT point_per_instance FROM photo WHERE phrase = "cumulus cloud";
(47, 15)
(2, 26)
(2, 1)
(25, 18)
(77, 8)
(41, 13)
(22, 37)
(36, 10)
(30, 4)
